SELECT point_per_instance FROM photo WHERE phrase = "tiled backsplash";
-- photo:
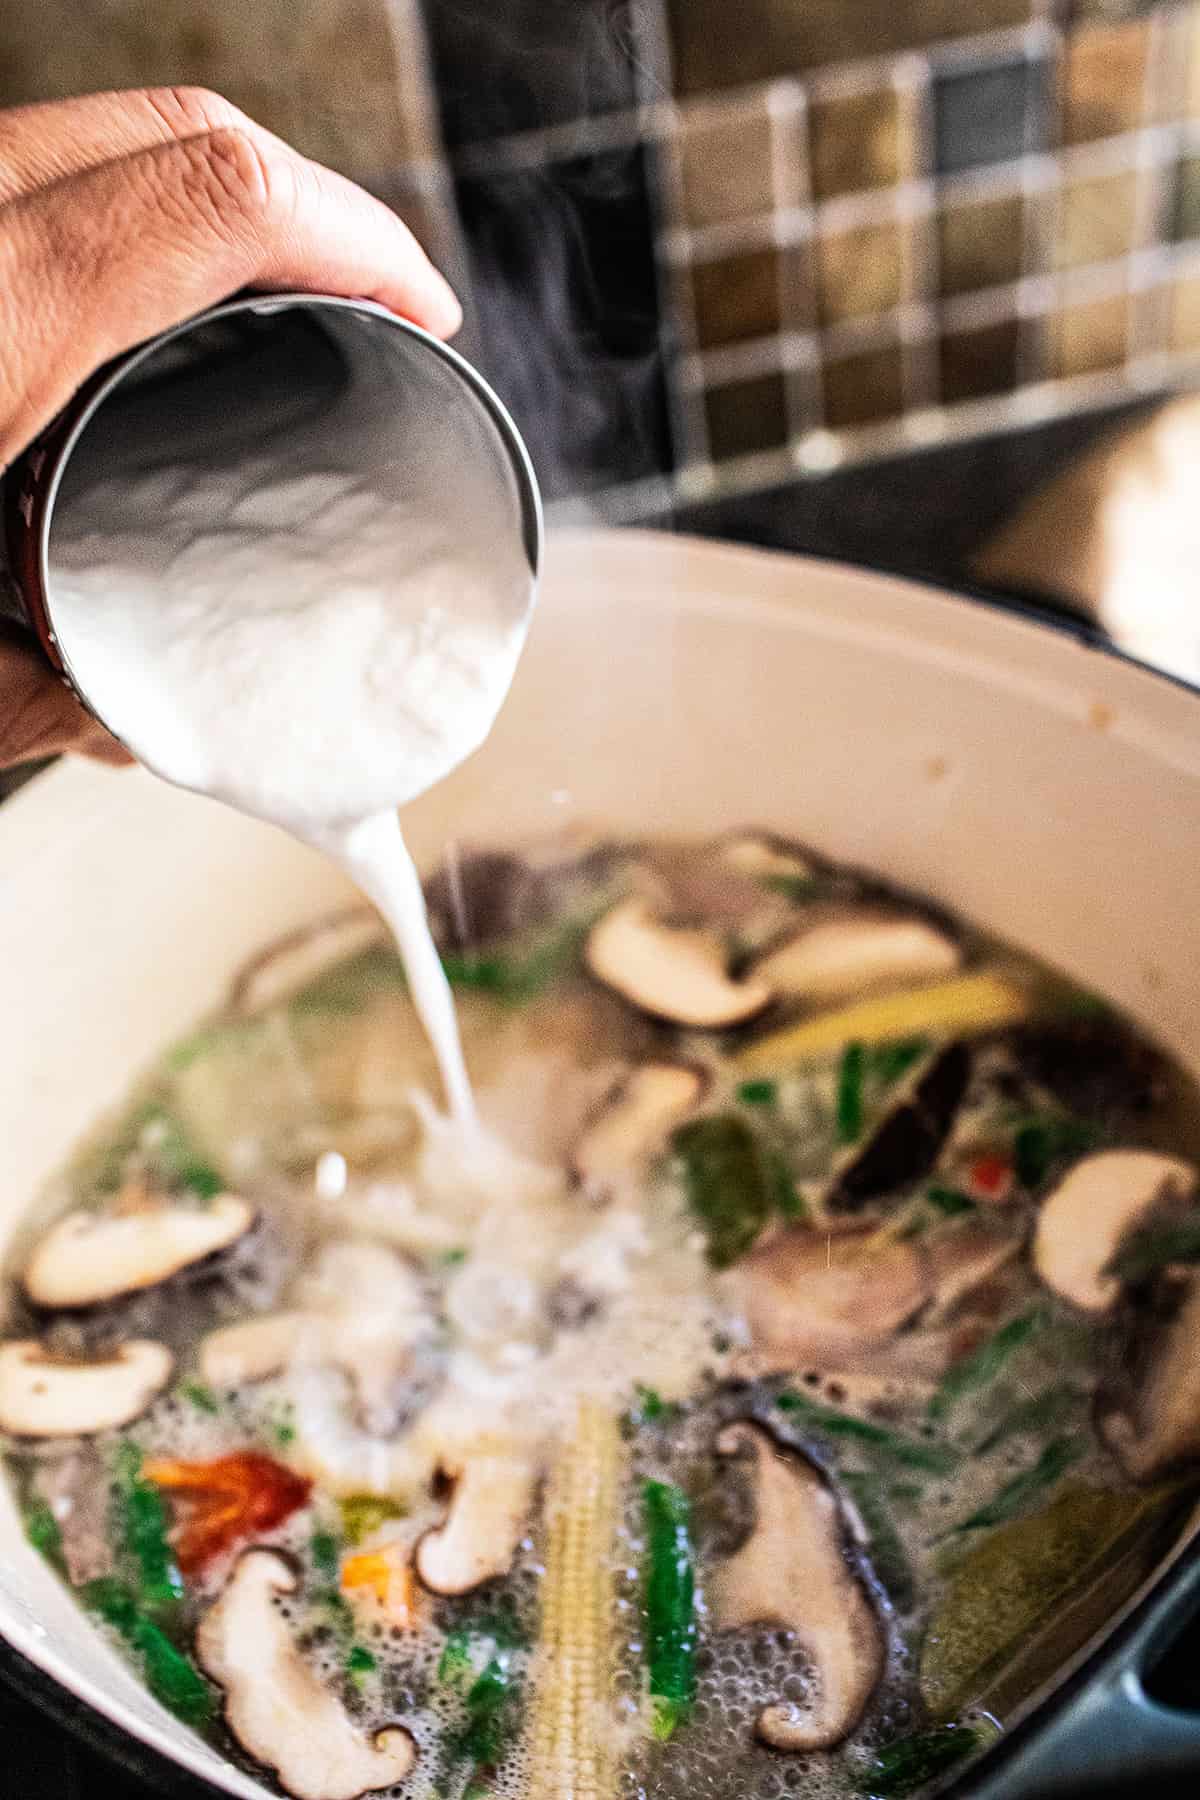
(711, 244)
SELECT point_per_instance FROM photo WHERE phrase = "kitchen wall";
(712, 243)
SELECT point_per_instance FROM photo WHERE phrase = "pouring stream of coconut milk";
(314, 624)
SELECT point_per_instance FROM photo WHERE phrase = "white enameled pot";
(1046, 788)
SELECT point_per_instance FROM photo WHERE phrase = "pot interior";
(1049, 791)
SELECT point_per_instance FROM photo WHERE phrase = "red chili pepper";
(232, 1498)
(991, 1176)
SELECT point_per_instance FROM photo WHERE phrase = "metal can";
(263, 375)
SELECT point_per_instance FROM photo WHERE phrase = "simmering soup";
(754, 1405)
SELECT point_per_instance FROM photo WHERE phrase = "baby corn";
(571, 1738)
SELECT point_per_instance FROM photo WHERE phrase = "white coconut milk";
(306, 652)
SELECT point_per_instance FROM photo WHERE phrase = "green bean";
(910, 1453)
(983, 1365)
(1056, 1458)
(888, 1062)
(1040, 1413)
(142, 1525)
(909, 1763)
(758, 1093)
(171, 1676)
(668, 1595)
(727, 1183)
(849, 1106)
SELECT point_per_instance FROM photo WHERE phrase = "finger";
(56, 139)
(40, 717)
(94, 265)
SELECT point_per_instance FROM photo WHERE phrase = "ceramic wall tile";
(737, 297)
(746, 416)
(325, 74)
(716, 45)
(980, 243)
(993, 114)
(1103, 81)
(979, 362)
(1089, 335)
(1097, 219)
(861, 389)
(860, 272)
(726, 162)
(858, 141)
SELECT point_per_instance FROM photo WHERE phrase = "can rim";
(529, 492)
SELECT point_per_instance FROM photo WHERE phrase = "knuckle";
(190, 111)
(230, 179)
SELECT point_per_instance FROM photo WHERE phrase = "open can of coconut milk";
(263, 393)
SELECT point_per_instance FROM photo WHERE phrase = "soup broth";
(749, 1406)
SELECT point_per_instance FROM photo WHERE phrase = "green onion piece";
(910, 1453)
(668, 1596)
(201, 1397)
(983, 1365)
(1153, 1247)
(455, 1660)
(1040, 1143)
(649, 1405)
(359, 1663)
(909, 1763)
(142, 1524)
(888, 1062)
(489, 1705)
(758, 1093)
(42, 1530)
(350, 985)
(1039, 1413)
(363, 1514)
(803, 889)
(521, 975)
(889, 1558)
(170, 1675)
(949, 1201)
(727, 1183)
(1057, 1457)
(788, 1203)
(326, 1555)
(849, 1109)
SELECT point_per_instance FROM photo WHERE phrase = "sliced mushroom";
(635, 1120)
(855, 952)
(295, 960)
(478, 1539)
(794, 1571)
(765, 858)
(43, 1395)
(672, 972)
(279, 1711)
(1159, 1428)
(816, 1301)
(903, 1146)
(251, 1351)
(964, 1259)
(1084, 1220)
(88, 1257)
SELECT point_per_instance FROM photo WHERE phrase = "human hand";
(124, 214)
